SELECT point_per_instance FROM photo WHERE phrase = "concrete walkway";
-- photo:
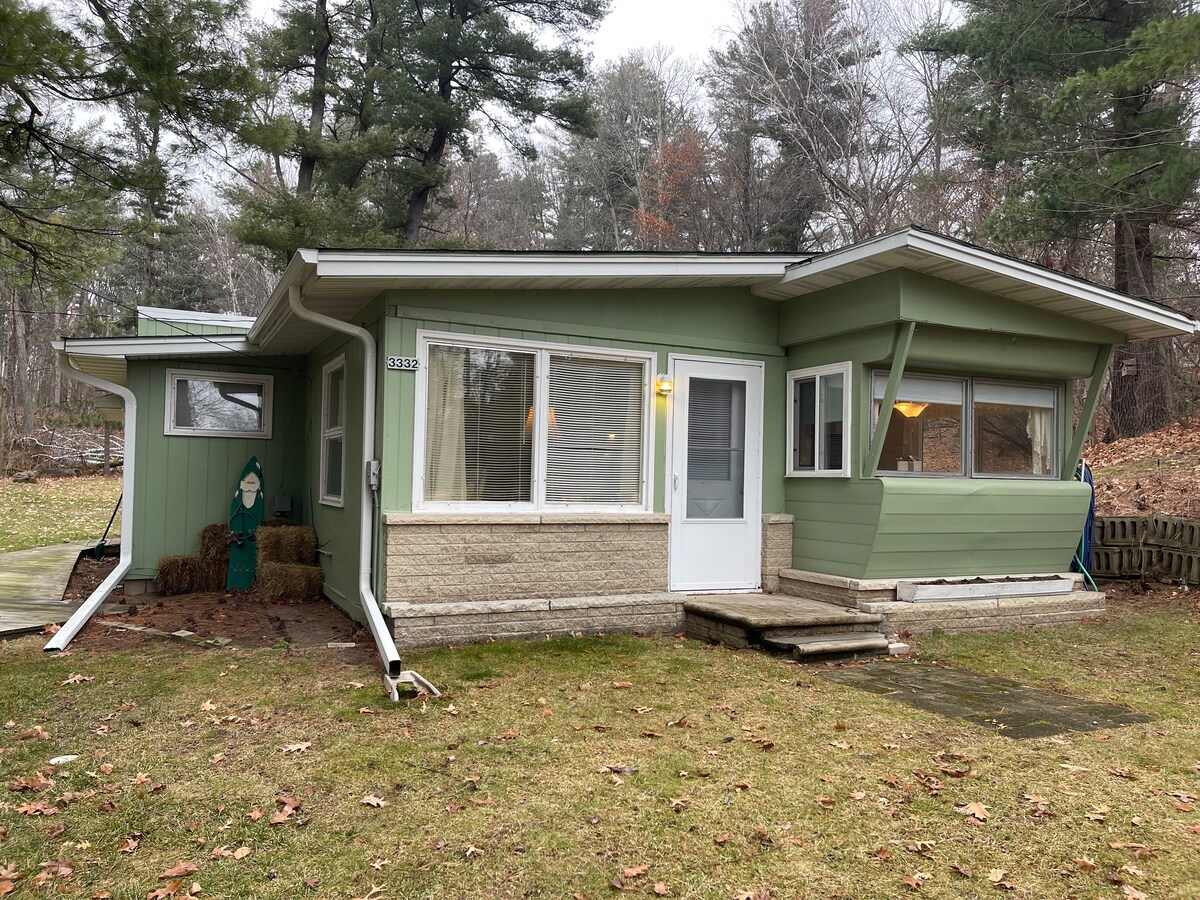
(32, 583)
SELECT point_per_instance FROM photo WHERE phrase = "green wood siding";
(156, 328)
(183, 483)
(870, 527)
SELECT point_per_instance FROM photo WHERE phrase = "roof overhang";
(105, 357)
(340, 283)
(974, 267)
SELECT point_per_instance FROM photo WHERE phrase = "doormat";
(998, 704)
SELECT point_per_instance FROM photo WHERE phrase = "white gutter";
(80, 617)
(394, 671)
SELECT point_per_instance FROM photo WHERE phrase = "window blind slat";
(595, 431)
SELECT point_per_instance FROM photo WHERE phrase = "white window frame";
(541, 393)
(846, 370)
(338, 362)
(967, 464)
(176, 375)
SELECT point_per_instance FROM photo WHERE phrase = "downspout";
(394, 671)
(80, 617)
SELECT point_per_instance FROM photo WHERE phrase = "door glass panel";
(716, 449)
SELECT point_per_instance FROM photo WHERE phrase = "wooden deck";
(32, 583)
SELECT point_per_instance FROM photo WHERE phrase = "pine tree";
(1087, 104)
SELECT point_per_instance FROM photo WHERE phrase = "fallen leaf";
(1133, 893)
(1086, 864)
(128, 845)
(207, 706)
(76, 678)
(661, 889)
(372, 800)
(622, 684)
(242, 852)
(635, 871)
(299, 747)
(973, 810)
(180, 869)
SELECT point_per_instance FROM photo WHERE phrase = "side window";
(333, 432)
(218, 404)
(818, 416)
(925, 425)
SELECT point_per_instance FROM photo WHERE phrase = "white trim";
(267, 382)
(197, 345)
(846, 369)
(327, 433)
(541, 351)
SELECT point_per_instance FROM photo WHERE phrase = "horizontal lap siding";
(834, 527)
(975, 526)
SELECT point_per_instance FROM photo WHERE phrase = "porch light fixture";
(910, 409)
(663, 384)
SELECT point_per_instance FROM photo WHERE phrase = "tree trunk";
(322, 42)
(1140, 375)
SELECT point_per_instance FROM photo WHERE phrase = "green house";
(516, 444)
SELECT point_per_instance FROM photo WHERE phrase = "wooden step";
(815, 645)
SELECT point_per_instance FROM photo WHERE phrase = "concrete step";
(856, 626)
(805, 647)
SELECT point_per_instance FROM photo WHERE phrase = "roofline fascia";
(923, 241)
(208, 345)
(299, 268)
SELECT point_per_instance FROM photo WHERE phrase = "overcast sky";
(689, 27)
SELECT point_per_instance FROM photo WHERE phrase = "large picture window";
(333, 431)
(818, 414)
(523, 425)
(964, 426)
(218, 404)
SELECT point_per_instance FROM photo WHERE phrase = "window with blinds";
(479, 425)
(595, 431)
(534, 427)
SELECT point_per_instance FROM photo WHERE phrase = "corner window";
(333, 432)
(218, 404)
(818, 414)
(517, 425)
(972, 427)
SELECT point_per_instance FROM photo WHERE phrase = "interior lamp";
(663, 384)
(910, 409)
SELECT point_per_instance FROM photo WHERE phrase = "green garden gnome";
(245, 515)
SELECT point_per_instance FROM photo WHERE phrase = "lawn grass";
(735, 771)
(56, 509)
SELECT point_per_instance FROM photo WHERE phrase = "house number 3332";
(403, 363)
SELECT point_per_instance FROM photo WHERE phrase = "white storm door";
(713, 480)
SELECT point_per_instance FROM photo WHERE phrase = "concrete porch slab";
(763, 611)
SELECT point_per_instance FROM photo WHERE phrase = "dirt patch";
(87, 575)
(1130, 598)
(243, 617)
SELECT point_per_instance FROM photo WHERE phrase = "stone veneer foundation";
(462, 578)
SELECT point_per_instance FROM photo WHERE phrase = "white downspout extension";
(394, 671)
(80, 617)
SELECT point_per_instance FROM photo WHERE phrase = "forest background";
(172, 153)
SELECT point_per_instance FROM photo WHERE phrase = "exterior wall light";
(910, 409)
(663, 384)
